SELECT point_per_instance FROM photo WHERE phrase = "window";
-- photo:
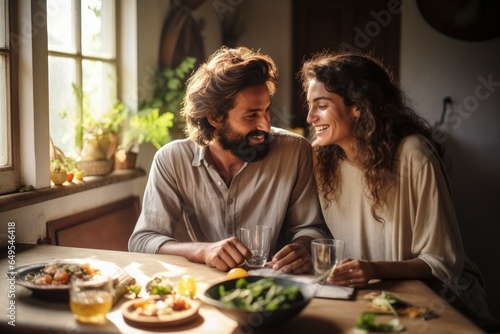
(25, 121)
(9, 128)
(82, 66)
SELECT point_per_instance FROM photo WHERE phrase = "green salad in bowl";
(257, 301)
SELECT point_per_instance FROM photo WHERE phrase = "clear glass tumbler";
(258, 240)
(326, 253)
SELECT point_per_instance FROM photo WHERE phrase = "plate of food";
(52, 278)
(166, 310)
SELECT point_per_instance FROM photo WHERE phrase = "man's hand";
(225, 254)
(294, 257)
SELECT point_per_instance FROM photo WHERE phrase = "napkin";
(322, 291)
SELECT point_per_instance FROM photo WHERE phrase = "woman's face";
(333, 121)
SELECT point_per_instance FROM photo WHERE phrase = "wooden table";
(320, 316)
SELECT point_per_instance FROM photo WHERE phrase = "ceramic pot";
(58, 177)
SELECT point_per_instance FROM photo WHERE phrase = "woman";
(382, 184)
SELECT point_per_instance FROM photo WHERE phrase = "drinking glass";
(326, 253)
(91, 300)
(257, 239)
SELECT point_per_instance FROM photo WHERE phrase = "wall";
(150, 17)
(270, 34)
(434, 66)
(31, 220)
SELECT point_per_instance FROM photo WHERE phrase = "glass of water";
(257, 239)
(326, 253)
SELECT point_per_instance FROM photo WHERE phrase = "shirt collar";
(199, 155)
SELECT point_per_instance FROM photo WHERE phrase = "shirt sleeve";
(161, 209)
(436, 234)
(304, 216)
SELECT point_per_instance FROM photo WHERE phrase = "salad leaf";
(262, 295)
(366, 322)
(160, 285)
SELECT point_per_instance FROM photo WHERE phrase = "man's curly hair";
(212, 89)
(385, 119)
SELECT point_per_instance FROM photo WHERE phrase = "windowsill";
(18, 200)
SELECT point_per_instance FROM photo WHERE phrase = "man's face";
(245, 132)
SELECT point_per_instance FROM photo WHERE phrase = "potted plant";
(157, 120)
(170, 91)
(96, 136)
(58, 172)
(147, 126)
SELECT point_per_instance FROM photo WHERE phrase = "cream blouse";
(420, 222)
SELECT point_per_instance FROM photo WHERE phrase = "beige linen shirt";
(185, 191)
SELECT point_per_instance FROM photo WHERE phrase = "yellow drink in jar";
(91, 306)
(91, 301)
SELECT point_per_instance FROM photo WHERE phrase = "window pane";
(62, 74)
(5, 154)
(99, 86)
(61, 26)
(3, 24)
(95, 39)
(98, 34)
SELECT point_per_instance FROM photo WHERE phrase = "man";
(233, 171)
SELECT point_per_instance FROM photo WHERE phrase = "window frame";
(10, 175)
(30, 97)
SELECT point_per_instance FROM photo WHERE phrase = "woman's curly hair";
(385, 119)
(212, 89)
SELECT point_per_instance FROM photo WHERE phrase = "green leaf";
(153, 126)
(241, 283)
(174, 84)
(366, 321)
(222, 291)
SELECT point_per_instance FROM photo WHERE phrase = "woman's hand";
(349, 272)
(358, 273)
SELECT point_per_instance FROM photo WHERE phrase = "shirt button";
(230, 201)
(230, 231)
(219, 183)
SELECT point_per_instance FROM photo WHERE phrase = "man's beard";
(239, 145)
